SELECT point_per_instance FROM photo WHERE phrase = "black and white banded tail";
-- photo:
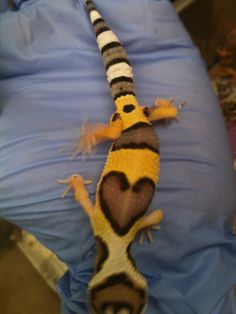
(118, 69)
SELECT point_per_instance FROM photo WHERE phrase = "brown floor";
(22, 290)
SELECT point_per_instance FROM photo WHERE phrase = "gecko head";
(118, 294)
(130, 110)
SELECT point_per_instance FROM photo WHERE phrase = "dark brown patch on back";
(141, 137)
(123, 204)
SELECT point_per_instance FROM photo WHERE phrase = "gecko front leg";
(94, 133)
(163, 109)
(77, 183)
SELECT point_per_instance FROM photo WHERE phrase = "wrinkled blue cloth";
(51, 75)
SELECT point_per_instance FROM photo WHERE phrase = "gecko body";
(127, 183)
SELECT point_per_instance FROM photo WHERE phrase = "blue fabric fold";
(51, 76)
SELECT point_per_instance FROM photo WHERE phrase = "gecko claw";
(148, 233)
(71, 182)
(87, 141)
(67, 191)
(180, 107)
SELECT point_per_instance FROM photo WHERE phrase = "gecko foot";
(87, 140)
(75, 182)
(148, 233)
(165, 109)
(148, 223)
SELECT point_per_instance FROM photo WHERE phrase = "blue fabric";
(4, 6)
(51, 74)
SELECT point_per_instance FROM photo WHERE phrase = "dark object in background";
(9, 234)
(223, 76)
(208, 23)
(227, 50)
(212, 26)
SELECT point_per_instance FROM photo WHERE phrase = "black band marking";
(121, 79)
(114, 280)
(137, 126)
(123, 94)
(97, 21)
(139, 136)
(134, 145)
(102, 30)
(115, 61)
(112, 44)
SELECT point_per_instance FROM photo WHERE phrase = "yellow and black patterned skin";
(127, 184)
(124, 193)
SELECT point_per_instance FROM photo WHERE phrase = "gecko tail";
(118, 69)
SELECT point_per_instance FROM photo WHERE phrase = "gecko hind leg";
(77, 183)
(148, 223)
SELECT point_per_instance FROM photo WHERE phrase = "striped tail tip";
(118, 69)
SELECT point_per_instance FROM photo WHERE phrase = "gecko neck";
(130, 111)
